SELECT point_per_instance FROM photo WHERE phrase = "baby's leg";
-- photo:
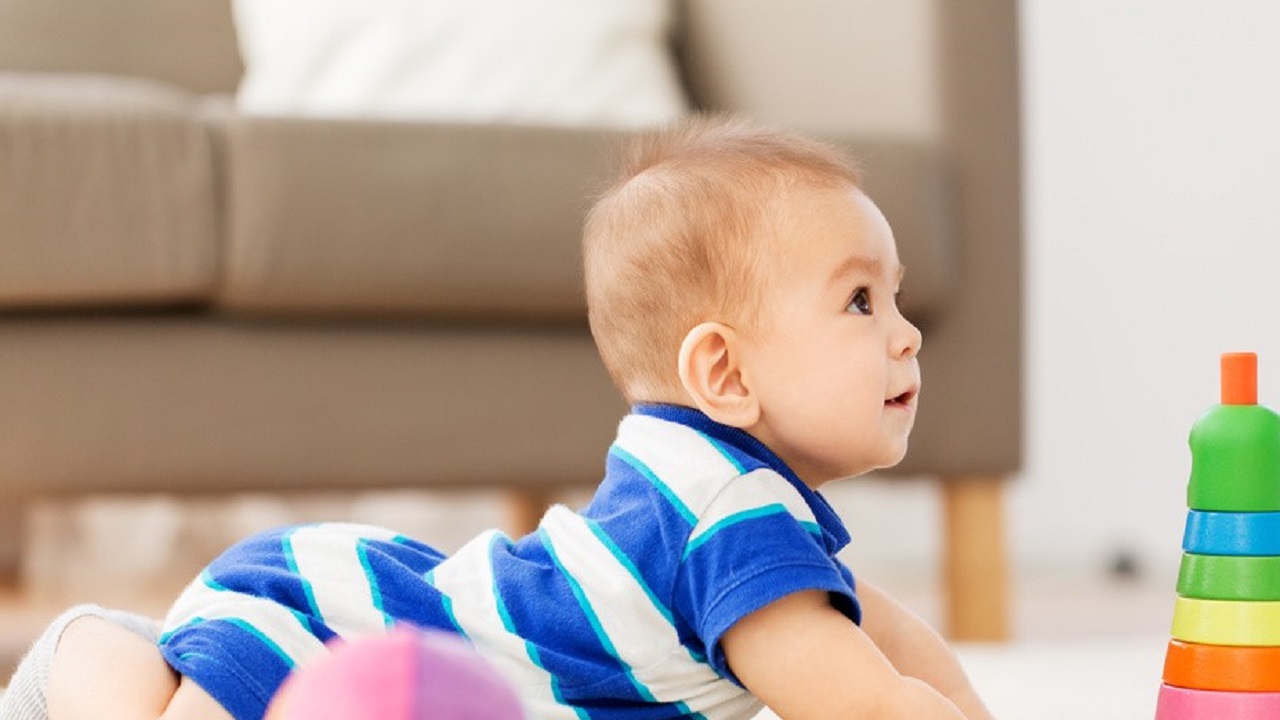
(25, 697)
(101, 670)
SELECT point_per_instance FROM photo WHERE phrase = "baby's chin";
(888, 458)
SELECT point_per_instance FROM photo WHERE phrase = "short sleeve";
(755, 543)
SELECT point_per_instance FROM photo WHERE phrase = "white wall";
(1152, 133)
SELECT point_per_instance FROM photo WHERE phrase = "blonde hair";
(681, 236)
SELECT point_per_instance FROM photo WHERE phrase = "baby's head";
(711, 264)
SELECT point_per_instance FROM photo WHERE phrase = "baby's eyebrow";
(866, 265)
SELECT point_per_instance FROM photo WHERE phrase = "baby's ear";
(710, 367)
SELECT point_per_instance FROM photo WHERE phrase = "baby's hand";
(806, 660)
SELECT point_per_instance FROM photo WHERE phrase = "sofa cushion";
(362, 217)
(359, 217)
(106, 192)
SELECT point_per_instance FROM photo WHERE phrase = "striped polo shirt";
(614, 611)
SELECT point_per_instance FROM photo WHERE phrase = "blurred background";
(1145, 150)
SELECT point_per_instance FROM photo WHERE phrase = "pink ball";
(408, 674)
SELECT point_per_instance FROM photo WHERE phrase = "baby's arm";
(916, 650)
(804, 659)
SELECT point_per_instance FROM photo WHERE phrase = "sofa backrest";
(190, 43)
(856, 68)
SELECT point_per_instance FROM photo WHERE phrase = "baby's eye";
(860, 303)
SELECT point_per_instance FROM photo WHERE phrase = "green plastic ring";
(1229, 577)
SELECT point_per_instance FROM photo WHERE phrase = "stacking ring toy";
(1232, 533)
(1229, 577)
(1184, 704)
(1222, 667)
(1226, 622)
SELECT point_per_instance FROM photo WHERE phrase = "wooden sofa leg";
(975, 559)
(12, 537)
(525, 509)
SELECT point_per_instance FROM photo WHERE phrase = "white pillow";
(561, 62)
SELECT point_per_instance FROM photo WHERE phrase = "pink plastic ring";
(1183, 704)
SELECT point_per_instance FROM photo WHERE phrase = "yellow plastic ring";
(1227, 622)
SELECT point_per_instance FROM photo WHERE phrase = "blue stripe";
(812, 528)
(529, 647)
(206, 577)
(657, 482)
(734, 519)
(593, 618)
(374, 591)
(631, 568)
(286, 541)
(261, 638)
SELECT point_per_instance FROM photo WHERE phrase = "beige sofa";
(197, 301)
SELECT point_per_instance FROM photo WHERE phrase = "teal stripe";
(631, 568)
(593, 618)
(362, 547)
(720, 447)
(164, 637)
(812, 528)
(657, 482)
(207, 578)
(243, 625)
(262, 638)
(287, 543)
(734, 519)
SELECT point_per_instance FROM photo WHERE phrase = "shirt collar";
(833, 529)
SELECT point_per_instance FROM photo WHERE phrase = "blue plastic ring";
(1232, 533)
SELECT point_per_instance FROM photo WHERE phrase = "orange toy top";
(1239, 378)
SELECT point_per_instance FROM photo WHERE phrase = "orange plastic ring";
(1222, 667)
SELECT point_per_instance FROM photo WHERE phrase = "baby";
(742, 291)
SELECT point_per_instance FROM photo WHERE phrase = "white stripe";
(273, 620)
(328, 558)
(757, 489)
(641, 636)
(466, 579)
(682, 458)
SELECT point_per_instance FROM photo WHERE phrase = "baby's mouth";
(903, 400)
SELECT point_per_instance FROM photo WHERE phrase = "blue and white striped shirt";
(615, 611)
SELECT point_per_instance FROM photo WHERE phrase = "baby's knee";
(103, 669)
